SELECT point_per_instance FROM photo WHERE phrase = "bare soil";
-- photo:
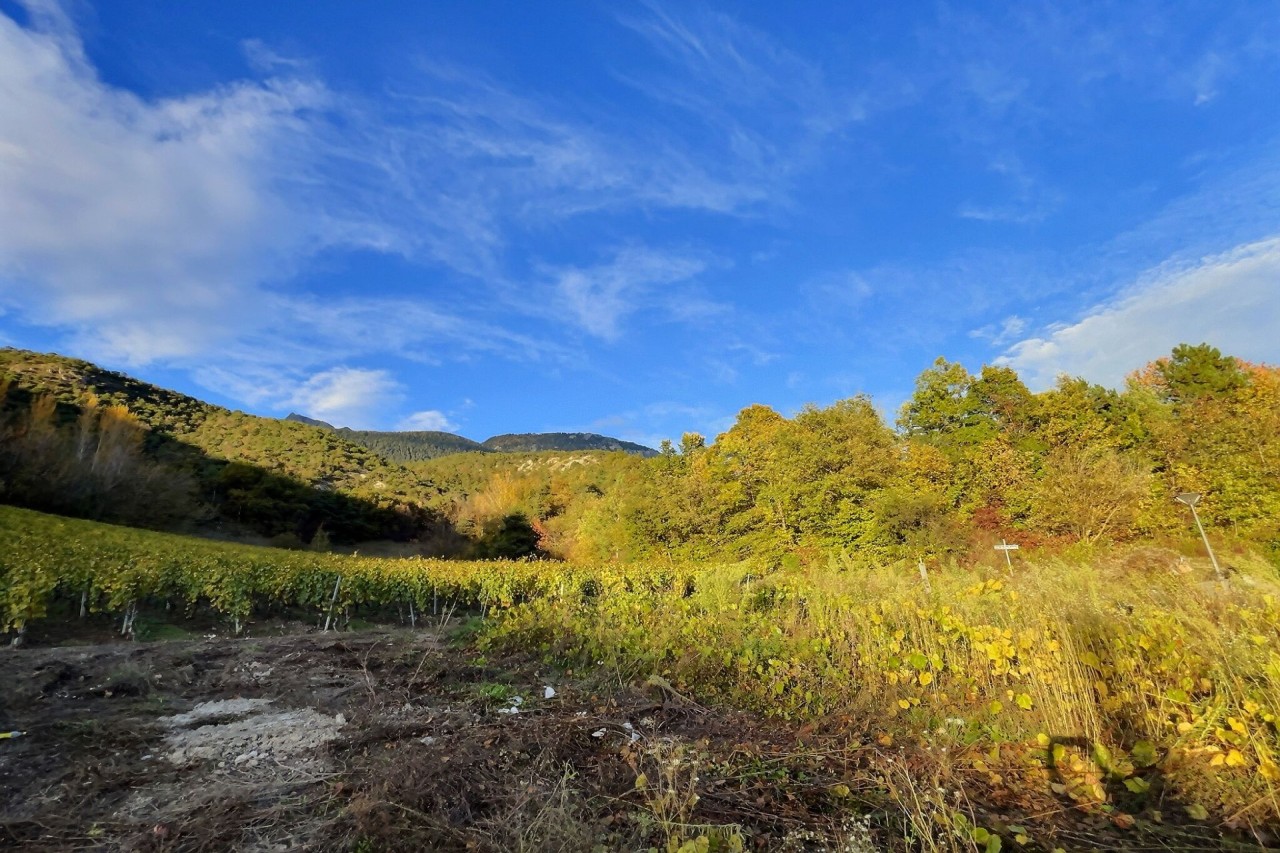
(397, 740)
(380, 740)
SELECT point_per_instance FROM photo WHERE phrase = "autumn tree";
(1088, 493)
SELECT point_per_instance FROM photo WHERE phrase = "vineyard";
(1134, 689)
(112, 569)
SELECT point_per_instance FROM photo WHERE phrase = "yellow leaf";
(1197, 812)
(1137, 785)
(904, 704)
(1235, 758)
(926, 678)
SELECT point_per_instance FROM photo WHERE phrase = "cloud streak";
(163, 230)
(1231, 300)
(428, 421)
(597, 299)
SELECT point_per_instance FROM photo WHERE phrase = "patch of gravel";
(243, 734)
(219, 709)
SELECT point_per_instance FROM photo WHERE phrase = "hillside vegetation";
(578, 441)
(421, 445)
(1106, 688)
(84, 441)
(974, 459)
(1134, 691)
(408, 446)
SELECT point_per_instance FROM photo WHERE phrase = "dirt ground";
(398, 740)
(378, 740)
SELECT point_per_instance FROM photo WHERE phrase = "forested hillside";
(540, 441)
(414, 446)
(973, 459)
(1103, 692)
(84, 441)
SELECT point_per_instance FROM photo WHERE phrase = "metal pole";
(1216, 568)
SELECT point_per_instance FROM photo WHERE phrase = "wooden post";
(332, 601)
(1006, 547)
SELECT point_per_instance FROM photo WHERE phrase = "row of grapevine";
(110, 568)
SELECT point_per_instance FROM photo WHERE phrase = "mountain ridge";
(421, 445)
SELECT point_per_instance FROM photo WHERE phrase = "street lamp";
(1191, 499)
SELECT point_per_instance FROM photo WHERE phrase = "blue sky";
(631, 218)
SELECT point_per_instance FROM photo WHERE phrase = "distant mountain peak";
(303, 419)
(417, 445)
(539, 441)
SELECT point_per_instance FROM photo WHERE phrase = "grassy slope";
(311, 455)
(1135, 690)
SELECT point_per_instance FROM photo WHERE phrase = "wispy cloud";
(1015, 78)
(768, 112)
(1231, 300)
(1048, 63)
(266, 60)
(1025, 199)
(164, 230)
(1008, 330)
(412, 329)
(891, 308)
(430, 421)
(598, 298)
(347, 396)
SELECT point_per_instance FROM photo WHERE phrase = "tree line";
(973, 458)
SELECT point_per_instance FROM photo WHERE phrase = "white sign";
(1006, 547)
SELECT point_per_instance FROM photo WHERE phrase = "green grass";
(1131, 683)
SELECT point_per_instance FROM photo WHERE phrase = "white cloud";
(1009, 329)
(1230, 300)
(348, 396)
(142, 227)
(429, 421)
(169, 230)
(598, 298)
(765, 111)
(261, 57)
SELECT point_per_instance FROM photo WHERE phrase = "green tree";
(1195, 372)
